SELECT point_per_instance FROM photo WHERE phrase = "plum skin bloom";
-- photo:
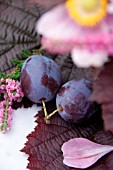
(62, 34)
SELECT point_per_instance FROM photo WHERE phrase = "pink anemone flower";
(81, 27)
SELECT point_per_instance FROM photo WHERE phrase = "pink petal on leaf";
(82, 153)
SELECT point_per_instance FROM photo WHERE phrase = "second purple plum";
(72, 98)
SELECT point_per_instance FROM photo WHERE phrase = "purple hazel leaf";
(82, 153)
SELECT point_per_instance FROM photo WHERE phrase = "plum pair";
(41, 81)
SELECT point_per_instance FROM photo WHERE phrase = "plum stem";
(44, 107)
(51, 114)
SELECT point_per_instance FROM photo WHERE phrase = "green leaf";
(34, 50)
(21, 98)
(14, 93)
(17, 61)
(16, 74)
(25, 54)
(3, 75)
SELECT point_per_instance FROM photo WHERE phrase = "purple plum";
(40, 78)
(72, 99)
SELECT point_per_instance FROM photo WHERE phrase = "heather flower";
(10, 110)
(9, 121)
(12, 92)
(1, 113)
(2, 87)
(82, 27)
(2, 103)
(2, 80)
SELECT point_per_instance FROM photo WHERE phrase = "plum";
(40, 78)
(72, 101)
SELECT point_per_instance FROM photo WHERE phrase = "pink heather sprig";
(12, 92)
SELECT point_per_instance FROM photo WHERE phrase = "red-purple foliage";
(103, 94)
(44, 143)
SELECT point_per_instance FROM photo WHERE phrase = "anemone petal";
(85, 58)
